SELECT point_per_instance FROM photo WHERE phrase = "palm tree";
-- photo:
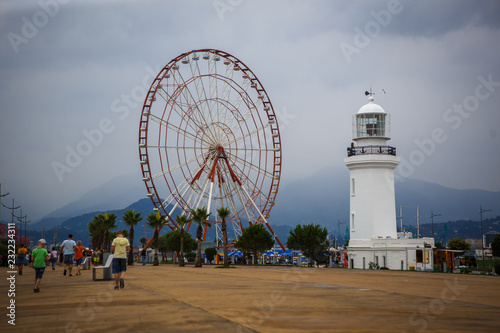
(143, 241)
(109, 221)
(155, 221)
(131, 219)
(182, 221)
(97, 231)
(223, 214)
(200, 216)
(100, 228)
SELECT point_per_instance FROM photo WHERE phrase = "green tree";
(223, 214)
(143, 241)
(458, 244)
(171, 241)
(155, 221)
(162, 242)
(131, 218)
(200, 216)
(210, 253)
(255, 239)
(495, 246)
(438, 245)
(182, 221)
(311, 239)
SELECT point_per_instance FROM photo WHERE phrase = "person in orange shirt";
(79, 255)
(21, 257)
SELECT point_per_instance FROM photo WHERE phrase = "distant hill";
(117, 193)
(322, 198)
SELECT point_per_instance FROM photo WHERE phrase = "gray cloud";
(64, 80)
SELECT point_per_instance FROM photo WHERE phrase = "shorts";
(68, 259)
(79, 261)
(39, 272)
(119, 265)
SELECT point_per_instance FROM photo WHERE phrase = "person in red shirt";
(79, 255)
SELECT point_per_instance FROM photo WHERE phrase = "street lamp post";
(432, 221)
(481, 211)
(1, 196)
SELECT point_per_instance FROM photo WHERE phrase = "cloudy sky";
(64, 63)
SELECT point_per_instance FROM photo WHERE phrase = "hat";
(42, 241)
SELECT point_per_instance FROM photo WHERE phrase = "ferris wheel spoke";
(262, 196)
(252, 166)
(246, 135)
(172, 147)
(175, 196)
(176, 167)
(177, 129)
(202, 88)
(179, 110)
(254, 205)
(188, 95)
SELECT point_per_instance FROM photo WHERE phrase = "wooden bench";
(106, 270)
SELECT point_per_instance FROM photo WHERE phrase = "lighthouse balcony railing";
(371, 150)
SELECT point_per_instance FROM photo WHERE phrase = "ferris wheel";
(209, 137)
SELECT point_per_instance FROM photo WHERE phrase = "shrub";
(191, 256)
(497, 267)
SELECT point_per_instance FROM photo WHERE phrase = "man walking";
(119, 247)
(68, 248)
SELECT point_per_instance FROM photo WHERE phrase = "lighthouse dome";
(371, 107)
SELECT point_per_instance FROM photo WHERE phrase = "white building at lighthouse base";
(392, 253)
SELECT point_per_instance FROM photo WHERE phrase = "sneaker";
(122, 283)
(64, 273)
(37, 290)
(116, 287)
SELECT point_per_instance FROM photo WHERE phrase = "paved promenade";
(254, 299)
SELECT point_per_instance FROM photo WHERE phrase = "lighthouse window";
(370, 125)
(352, 221)
(353, 186)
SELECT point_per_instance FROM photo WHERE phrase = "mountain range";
(321, 199)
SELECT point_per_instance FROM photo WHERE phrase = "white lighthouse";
(371, 162)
